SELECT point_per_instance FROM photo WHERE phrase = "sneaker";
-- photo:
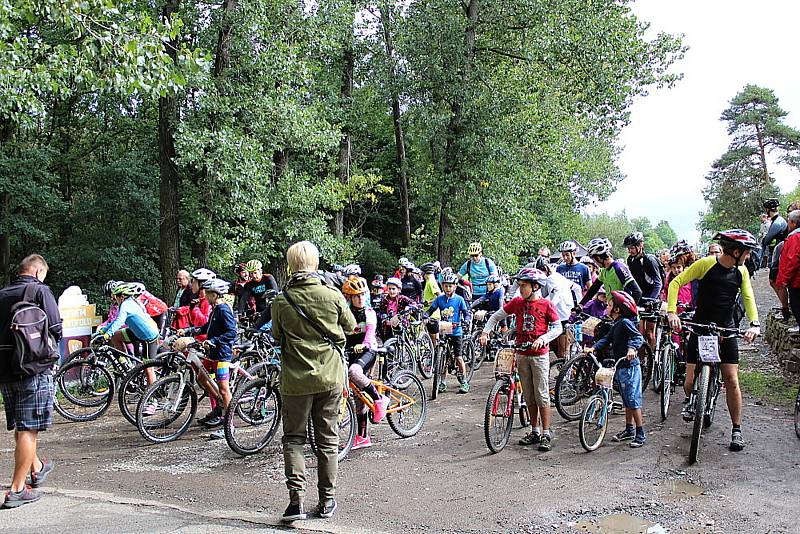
(216, 413)
(442, 386)
(686, 400)
(326, 509)
(544, 443)
(217, 434)
(624, 435)
(18, 498)
(36, 479)
(214, 422)
(294, 512)
(361, 443)
(737, 441)
(380, 409)
(151, 408)
(464, 387)
(638, 441)
(688, 412)
(532, 438)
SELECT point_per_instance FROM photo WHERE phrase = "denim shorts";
(630, 386)
(29, 402)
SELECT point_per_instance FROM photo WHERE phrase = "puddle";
(678, 489)
(619, 524)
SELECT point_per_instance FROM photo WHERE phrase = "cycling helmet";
(681, 247)
(625, 302)
(352, 269)
(450, 278)
(416, 270)
(587, 260)
(771, 204)
(428, 268)
(201, 275)
(568, 246)
(109, 287)
(355, 286)
(378, 282)
(253, 266)
(128, 289)
(394, 282)
(493, 279)
(633, 240)
(402, 261)
(217, 285)
(674, 259)
(240, 268)
(599, 246)
(528, 274)
(475, 249)
(738, 238)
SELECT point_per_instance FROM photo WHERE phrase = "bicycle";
(85, 385)
(672, 368)
(445, 361)
(505, 399)
(707, 382)
(405, 357)
(594, 419)
(797, 414)
(650, 312)
(484, 352)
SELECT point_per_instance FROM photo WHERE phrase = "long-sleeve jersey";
(257, 290)
(716, 292)
(453, 309)
(647, 273)
(364, 332)
(490, 301)
(624, 335)
(616, 277)
(132, 313)
(221, 332)
(536, 319)
(777, 230)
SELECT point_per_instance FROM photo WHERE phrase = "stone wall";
(783, 337)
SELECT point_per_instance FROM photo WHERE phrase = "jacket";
(133, 315)
(789, 264)
(624, 335)
(12, 294)
(309, 365)
(220, 331)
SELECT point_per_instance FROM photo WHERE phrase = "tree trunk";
(399, 139)
(444, 251)
(762, 154)
(168, 200)
(222, 59)
(6, 133)
(345, 147)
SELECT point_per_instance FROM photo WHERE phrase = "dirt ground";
(445, 480)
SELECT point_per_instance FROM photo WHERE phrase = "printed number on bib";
(709, 348)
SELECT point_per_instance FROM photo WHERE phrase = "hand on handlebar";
(674, 320)
(752, 333)
(537, 344)
(484, 339)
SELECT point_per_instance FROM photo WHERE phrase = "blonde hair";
(31, 263)
(302, 256)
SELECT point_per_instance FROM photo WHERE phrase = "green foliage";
(374, 259)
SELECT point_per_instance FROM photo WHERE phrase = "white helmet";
(568, 246)
(353, 269)
(217, 285)
(587, 260)
(201, 275)
(598, 246)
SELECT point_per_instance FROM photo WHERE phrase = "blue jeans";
(630, 386)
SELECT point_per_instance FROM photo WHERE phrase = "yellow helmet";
(253, 266)
(355, 286)
(475, 249)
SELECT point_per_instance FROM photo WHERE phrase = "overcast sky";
(675, 134)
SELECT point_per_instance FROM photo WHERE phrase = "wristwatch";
(755, 324)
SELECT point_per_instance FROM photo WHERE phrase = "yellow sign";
(80, 317)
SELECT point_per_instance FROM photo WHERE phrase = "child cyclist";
(358, 346)
(452, 308)
(537, 322)
(220, 331)
(392, 304)
(625, 340)
(141, 328)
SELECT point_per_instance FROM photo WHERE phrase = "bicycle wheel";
(175, 408)
(84, 390)
(714, 387)
(699, 411)
(425, 355)
(401, 360)
(410, 403)
(252, 417)
(347, 424)
(497, 418)
(574, 384)
(593, 423)
(438, 371)
(133, 385)
(555, 369)
(658, 369)
(797, 415)
(480, 352)
(646, 361)
(468, 354)
(524, 416)
(667, 367)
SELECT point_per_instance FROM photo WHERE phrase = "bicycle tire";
(646, 361)
(406, 360)
(480, 351)
(348, 426)
(468, 355)
(159, 390)
(438, 362)
(524, 416)
(797, 415)
(425, 355)
(699, 412)
(253, 397)
(714, 388)
(593, 413)
(667, 370)
(409, 384)
(574, 382)
(98, 383)
(131, 388)
(555, 369)
(658, 371)
(494, 412)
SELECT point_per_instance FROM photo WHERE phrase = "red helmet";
(625, 302)
(738, 238)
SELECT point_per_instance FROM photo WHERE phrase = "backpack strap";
(29, 295)
(313, 323)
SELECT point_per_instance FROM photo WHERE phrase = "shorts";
(728, 350)
(534, 373)
(29, 402)
(630, 386)
(456, 343)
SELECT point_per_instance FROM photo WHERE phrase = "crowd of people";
(329, 323)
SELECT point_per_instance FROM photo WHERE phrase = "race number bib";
(709, 348)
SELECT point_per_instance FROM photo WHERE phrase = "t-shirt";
(533, 320)
(478, 273)
(576, 272)
(453, 309)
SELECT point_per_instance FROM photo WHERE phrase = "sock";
(362, 424)
(546, 432)
(737, 427)
(537, 430)
(640, 431)
(628, 428)
(372, 391)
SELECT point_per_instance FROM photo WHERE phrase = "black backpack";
(34, 347)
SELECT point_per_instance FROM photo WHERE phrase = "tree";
(740, 180)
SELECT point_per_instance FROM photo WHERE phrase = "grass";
(770, 387)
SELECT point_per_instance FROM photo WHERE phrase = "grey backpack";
(34, 348)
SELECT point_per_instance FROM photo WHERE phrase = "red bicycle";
(505, 399)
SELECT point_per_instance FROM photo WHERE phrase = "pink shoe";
(361, 443)
(380, 409)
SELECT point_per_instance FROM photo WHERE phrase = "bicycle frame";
(399, 401)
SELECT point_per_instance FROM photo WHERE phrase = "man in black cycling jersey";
(720, 279)
(646, 270)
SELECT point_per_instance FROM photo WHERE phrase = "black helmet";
(633, 240)
(771, 204)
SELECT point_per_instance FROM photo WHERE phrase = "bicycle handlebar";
(712, 329)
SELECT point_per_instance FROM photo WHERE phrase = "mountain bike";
(505, 399)
(405, 356)
(593, 423)
(85, 386)
(445, 361)
(797, 414)
(707, 382)
(672, 368)
(650, 312)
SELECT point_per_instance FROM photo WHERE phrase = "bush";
(374, 259)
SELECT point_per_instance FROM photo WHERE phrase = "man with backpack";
(477, 269)
(30, 328)
(649, 274)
